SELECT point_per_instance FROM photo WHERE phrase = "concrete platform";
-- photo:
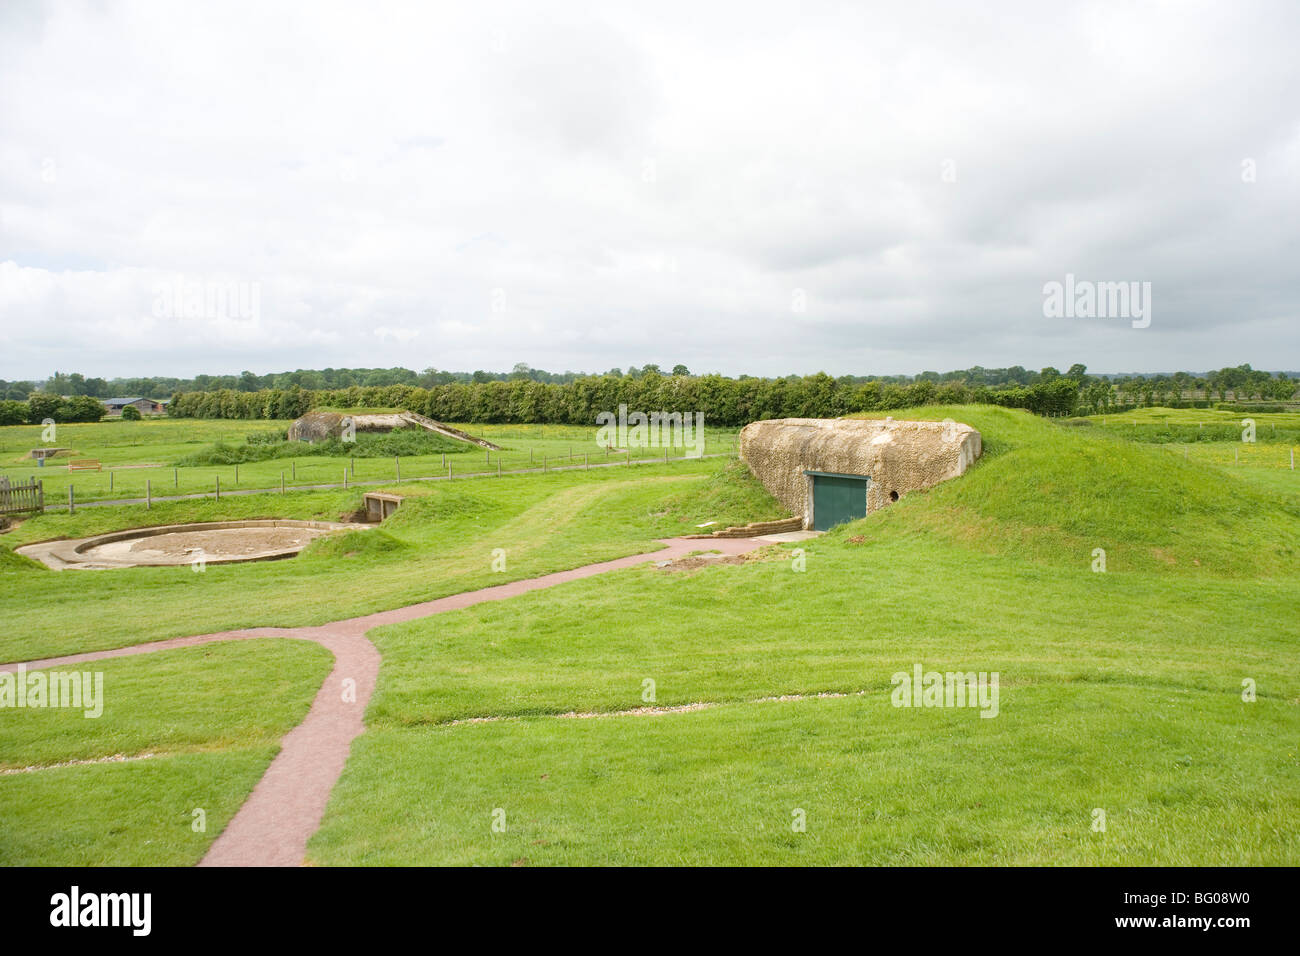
(787, 536)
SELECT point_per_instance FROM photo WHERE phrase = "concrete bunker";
(321, 425)
(833, 470)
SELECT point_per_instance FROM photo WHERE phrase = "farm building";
(831, 471)
(146, 406)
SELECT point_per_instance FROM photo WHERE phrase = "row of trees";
(157, 387)
(1240, 381)
(724, 401)
(523, 397)
(40, 406)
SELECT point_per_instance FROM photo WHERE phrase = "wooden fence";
(20, 498)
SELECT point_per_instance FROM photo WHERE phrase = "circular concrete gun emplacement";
(212, 542)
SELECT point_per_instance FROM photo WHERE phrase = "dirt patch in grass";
(696, 561)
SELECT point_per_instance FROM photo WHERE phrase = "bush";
(13, 412)
(267, 438)
(1258, 408)
(130, 414)
(41, 406)
(405, 442)
(80, 408)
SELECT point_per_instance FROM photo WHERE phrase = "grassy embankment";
(1120, 691)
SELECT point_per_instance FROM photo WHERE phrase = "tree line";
(724, 401)
(525, 398)
(1242, 381)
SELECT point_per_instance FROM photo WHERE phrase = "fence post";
(218, 498)
(110, 479)
(397, 466)
(72, 506)
(176, 477)
(148, 494)
(293, 465)
(281, 482)
(345, 478)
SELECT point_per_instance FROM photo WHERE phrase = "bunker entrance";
(837, 498)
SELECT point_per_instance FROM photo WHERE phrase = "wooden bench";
(84, 464)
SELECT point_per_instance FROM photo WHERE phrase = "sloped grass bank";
(1053, 495)
(442, 542)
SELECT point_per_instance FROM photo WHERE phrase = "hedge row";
(39, 407)
(724, 401)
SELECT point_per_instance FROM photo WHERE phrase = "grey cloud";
(647, 183)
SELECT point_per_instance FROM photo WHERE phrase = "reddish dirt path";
(285, 808)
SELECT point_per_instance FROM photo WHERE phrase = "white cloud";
(645, 184)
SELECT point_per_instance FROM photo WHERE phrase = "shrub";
(1240, 407)
(41, 406)
(81, 408)
(406, 442)
(267, 438)
(130, 414)
(13, 412)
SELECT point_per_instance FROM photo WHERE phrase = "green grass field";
(1119, 691)
(440, 542)
(1194, 425)
(199, 726)
(144, 456)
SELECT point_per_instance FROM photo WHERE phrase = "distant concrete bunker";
(833, 470)
(318, 426)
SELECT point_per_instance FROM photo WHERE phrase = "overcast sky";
(740, 187)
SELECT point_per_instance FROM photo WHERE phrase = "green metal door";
(837, 499)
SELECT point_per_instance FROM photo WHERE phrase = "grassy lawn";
(125, 814)
(1159, 415)
(1120, 690)
(1190, 425)
(1184, 778)
(134, 453)
(230, 694)
(205, 723)
(440, 542)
